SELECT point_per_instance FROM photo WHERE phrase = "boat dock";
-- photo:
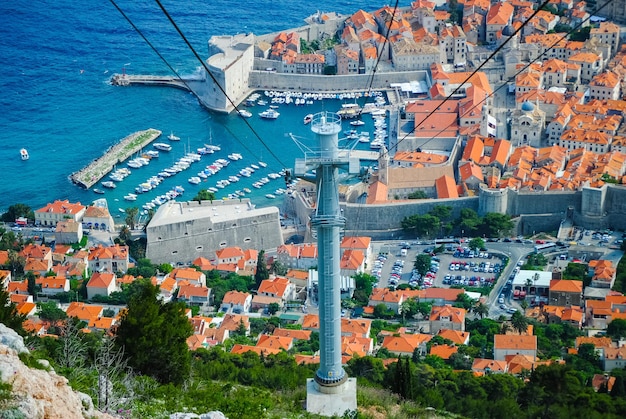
(97, 169)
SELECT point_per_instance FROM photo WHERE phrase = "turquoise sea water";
(56, 100)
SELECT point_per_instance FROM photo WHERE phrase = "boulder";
(10, 338)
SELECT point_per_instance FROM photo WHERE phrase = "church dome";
(508, 30)
(528, 107)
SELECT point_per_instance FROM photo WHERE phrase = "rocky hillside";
(38, 393)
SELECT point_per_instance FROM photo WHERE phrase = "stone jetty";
(98, 168)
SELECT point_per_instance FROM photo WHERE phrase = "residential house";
(352, 262)
(57, 211)
(347, 60)
(98, 218)
(101, 283)
(362, 243)
(68, 231)
(167, 288)
(607, 33)
(108, 258)
(405, 344)
(489, 366)
(88, 313)
(499, 16)
(447, 317)
(278, 287)
(566, 292)
(234, 322)
(443, 351)
(51, 285)
(237, 301)
(612, 358)
(26, 308)
(590, 65)
(605, 86)
(297, 256)
(191, 275)
(194, 294)
(391, 299)
(275, 342)
(504, 345)
(603, 273)
(456, 336)
(554, 73)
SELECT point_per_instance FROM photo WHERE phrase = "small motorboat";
(308, 118)
(173, 137)
(24, 154)
(98, 191)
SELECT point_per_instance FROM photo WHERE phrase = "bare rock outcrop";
(39, 393)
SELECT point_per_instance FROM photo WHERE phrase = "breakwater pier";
(98, 168)
(148, 80)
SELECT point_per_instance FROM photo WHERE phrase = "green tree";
(9, 315)
(616, 329)
(422, 263)
(476, 243)
(262, 272)
(496, 225)
(417, 195)
(16, 262)
(381, 311)
(51, 312)
(131, 216)
(154, 335)
(278, 268)
(481, 310)
(16, 211)
(519, 322)
(273, 308)
(125, 235)
(204, 195)
(442, 212)
(408, 309)
(421, 225)
(468, 222)
(363, 288)
(575, 271)
(32, 284)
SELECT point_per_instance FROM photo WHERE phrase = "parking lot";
(457, 266)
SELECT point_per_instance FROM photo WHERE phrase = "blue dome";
(528, 107)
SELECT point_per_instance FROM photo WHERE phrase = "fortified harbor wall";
(593, 208)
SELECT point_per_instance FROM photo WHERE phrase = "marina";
(97, 169)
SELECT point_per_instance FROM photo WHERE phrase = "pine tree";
(154, 336)
(261, 269)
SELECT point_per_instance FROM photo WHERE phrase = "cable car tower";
(331, 392)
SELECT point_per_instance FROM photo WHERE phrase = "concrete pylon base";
(335, 402)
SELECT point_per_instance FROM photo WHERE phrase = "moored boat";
(98, 191)
(270, 196)
(173, 137)
(109, 184)
(162, 146)
(269, 114)
(244, 113)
